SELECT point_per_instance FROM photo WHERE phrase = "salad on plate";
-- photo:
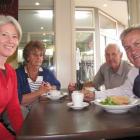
(117, 104)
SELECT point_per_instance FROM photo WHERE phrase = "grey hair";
(114, 45)
(9, 19)
(128, 30)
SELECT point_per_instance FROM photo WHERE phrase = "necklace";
(32, 74)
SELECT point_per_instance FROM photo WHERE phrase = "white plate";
(54, 97)
(85, 104)
(118, 108)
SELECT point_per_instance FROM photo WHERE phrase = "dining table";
(55, 120)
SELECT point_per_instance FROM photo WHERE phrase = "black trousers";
(6, 123)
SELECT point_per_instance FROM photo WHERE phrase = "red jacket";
(9, 102)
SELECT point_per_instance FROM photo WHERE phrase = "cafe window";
(85, 55)
(84, 18)
(37, 24)
(110, 30)
(107, 25)
(86, 31)
(85, 24)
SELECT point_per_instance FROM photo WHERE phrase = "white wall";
(134, 11)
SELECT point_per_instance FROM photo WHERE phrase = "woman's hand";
(45, 87)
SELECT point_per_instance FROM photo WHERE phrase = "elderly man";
(130, 38)
(131, 41)
(114, 71)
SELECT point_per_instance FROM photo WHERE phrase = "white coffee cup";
(77, 98)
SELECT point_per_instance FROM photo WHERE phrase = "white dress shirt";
(126, 89)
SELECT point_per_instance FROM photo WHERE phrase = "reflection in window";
(84, 18)
(85, 62)
(38, 25)
(33, 20)
(85, 24)
(107, 26)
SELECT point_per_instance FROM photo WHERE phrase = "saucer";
(48, 95)
(85, 104)
(55, 97)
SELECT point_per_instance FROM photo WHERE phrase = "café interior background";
(75, 33)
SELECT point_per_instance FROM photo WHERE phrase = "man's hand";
(88, 95)
(71, 87)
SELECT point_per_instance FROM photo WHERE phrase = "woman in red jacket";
(10, 36)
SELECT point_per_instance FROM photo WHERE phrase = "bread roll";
(120, 100)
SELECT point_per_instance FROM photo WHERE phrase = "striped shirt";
(34, 85)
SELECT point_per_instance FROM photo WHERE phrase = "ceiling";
(115, 8)
(30, 3)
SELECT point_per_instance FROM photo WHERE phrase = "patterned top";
(34, 85)
(24, 83)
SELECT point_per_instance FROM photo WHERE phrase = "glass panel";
(107, 26)
(120, 28)
(85, 56)
(41, 28)
(103, 45)
(84, 18)
(41, 20)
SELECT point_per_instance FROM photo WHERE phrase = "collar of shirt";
(40, 69)
(120, 70)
